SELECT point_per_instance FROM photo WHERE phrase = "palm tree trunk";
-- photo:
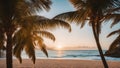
(9, 51)
(99, 48)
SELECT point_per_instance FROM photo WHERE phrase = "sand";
(60, 63)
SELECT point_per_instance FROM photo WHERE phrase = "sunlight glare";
(59, 47)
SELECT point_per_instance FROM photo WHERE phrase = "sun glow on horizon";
(59, 47)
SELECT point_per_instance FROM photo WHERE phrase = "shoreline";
(38, 58)
(60, 63)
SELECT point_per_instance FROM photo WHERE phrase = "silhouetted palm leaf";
(41, 22)
(78, 17)
(30, 49)
(43, 48)
(114, 32)
(46, 34)
(31, 6)
(116, 41)
(114, 17)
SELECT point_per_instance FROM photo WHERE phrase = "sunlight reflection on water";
(60, 53)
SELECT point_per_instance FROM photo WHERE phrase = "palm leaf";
(110, 11)
(30, 50)
(95, 4)
(114, 17)
(39, 22)
(46, 34)
(116, 20)
(19, 41)
(69, 16)
(41, 4)
(50, 24)
(40, 44)
(114, 43)
(78, 17)
(17, 51)
(28, 7)
(114, 32)
(43, 48)
(78, 3)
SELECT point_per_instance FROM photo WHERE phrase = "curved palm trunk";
(99, 48)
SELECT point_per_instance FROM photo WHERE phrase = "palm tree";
(95, 12)
(12, 12)
(30, 32)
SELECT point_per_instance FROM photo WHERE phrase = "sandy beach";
(60, 63)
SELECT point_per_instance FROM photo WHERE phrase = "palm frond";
(112, 10)
(96, 5)
(20, 35)
(115, 43)
(114, 17)
(18, 48)
(68, 16)
(46, 34)
(40, 4)
(40, 44)
(19, 41)
(30, 50)
(78, 17)
(43, 48)
(28, 7)
(116, 20)
(114, 32)
(52, 23)
(77, 3)
(39, 22)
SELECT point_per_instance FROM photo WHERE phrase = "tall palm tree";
(95, 12)
(11, 9)
(12, 12)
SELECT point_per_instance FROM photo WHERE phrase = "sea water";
(72, 54)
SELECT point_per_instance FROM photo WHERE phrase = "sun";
(59, 47)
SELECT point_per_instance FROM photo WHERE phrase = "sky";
(78, 38)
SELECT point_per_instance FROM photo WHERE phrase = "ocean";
(71, 54)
